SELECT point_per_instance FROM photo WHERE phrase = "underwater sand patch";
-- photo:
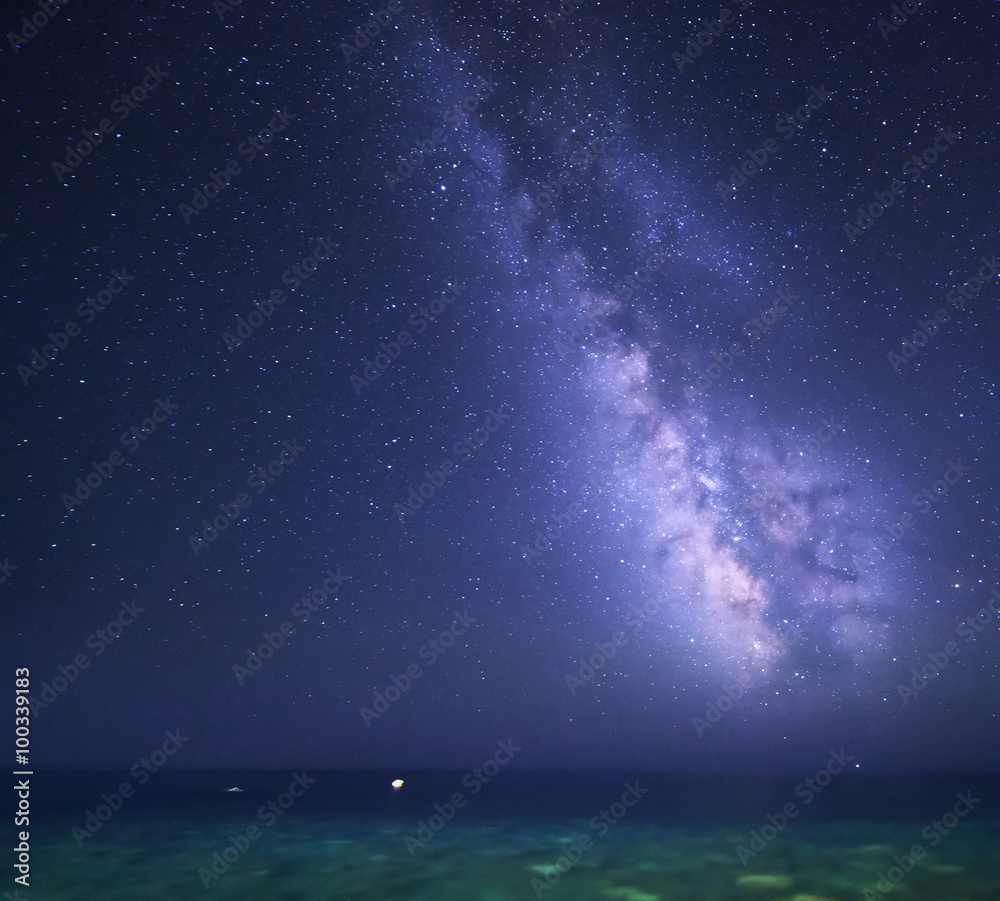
(765, 880)
(628, 893)
(546, 869)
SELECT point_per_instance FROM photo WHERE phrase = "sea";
(315, 835)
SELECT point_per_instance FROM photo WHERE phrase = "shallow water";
(332, 844)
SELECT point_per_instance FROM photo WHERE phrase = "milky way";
(717, 402)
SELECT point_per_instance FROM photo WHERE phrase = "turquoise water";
(335, 844)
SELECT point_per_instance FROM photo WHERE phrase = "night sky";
(462, 349)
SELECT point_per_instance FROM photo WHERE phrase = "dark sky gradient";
(717, 509)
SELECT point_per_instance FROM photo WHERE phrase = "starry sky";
(501, 372)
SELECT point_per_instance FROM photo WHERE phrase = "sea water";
(350, 836)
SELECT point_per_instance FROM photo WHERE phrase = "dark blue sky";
(500, 376)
